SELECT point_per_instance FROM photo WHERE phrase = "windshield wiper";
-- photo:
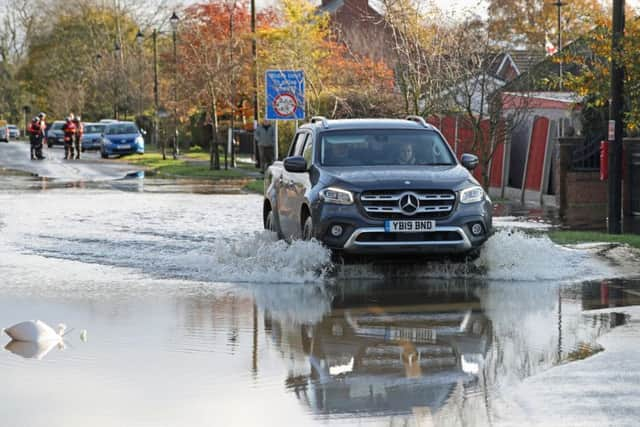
(436, 164)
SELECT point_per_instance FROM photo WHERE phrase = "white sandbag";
(34, 331)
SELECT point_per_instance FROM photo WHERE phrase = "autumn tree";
(524, 23)
(337, 82)
(477, 95)
(423, 39)
(215, 65)
(591, 74)
(302, 39)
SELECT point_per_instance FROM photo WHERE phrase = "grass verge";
(564, 237)
(181, 168)
(256, 186)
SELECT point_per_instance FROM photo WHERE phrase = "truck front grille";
(434, 236)
(432, 204)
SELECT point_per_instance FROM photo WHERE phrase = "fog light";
(476, 229)
(336, 230)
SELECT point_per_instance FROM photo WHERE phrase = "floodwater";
(195, 316)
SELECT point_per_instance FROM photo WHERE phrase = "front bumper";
(115, 149)
(55, 139)
(363, 235)
(88, 144)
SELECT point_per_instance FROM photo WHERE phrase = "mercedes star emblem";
(409, 203)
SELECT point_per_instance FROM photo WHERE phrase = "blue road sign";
(284, 95)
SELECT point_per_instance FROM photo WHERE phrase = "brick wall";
(586, 200)
(582, 196)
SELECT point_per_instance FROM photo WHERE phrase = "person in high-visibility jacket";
(69, 129)
(78, 136)
(35, 139)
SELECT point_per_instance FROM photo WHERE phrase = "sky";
(459, 7)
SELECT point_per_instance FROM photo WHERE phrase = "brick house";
(361, 28)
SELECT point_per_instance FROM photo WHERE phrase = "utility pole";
(254, 53)
(156, 123)
(233, 89)
(174, 25)
(559, 5)
(616, 107)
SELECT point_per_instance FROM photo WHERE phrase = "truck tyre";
(307, 229)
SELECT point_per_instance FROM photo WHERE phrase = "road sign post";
(284, 97)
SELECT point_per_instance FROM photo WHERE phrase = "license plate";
(124, 146)
(409, 226)
(412, 334)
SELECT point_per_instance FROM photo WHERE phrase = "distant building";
(361, 28)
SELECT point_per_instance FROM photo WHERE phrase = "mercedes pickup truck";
(377, 186)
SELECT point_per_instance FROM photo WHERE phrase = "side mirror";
(295, 164)
(469, 161)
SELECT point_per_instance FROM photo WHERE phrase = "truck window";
(298, 144)
(307, 153)
(384, 148)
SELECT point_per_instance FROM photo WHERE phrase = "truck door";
(301, 182)
(287, 193)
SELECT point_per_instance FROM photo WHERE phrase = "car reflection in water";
(389, 348)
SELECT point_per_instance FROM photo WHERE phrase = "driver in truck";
(406, 156)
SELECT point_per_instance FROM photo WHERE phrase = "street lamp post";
(26, 109)
(233, 89)
(116, 54)
(174, 25)
(559, 5)
(139, 41)
(156, 122)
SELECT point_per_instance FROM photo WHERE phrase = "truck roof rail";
(325, 122)
(418, 119)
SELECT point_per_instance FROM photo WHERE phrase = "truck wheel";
(307, 229)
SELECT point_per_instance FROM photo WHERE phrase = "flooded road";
(196, 316)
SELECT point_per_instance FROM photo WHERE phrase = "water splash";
(517, 256)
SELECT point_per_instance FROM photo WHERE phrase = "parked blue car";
(92, 137)
(121, 138)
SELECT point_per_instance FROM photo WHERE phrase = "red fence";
(459, 133)
(537, 149)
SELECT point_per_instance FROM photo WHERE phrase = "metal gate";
(634, 175)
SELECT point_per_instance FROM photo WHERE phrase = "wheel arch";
(266, 208)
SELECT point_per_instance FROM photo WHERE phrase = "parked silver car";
(92, 136)
(14, 132)
(55, 135)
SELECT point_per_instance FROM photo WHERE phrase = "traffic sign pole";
(275, 148)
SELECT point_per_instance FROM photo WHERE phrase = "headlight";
(471, 195)
(337, 196)
(106, 141)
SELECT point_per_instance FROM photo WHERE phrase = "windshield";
(93, 128)
(57, 125)
(384, 147)
(121, 128)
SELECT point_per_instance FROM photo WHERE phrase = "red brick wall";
(586, 200)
